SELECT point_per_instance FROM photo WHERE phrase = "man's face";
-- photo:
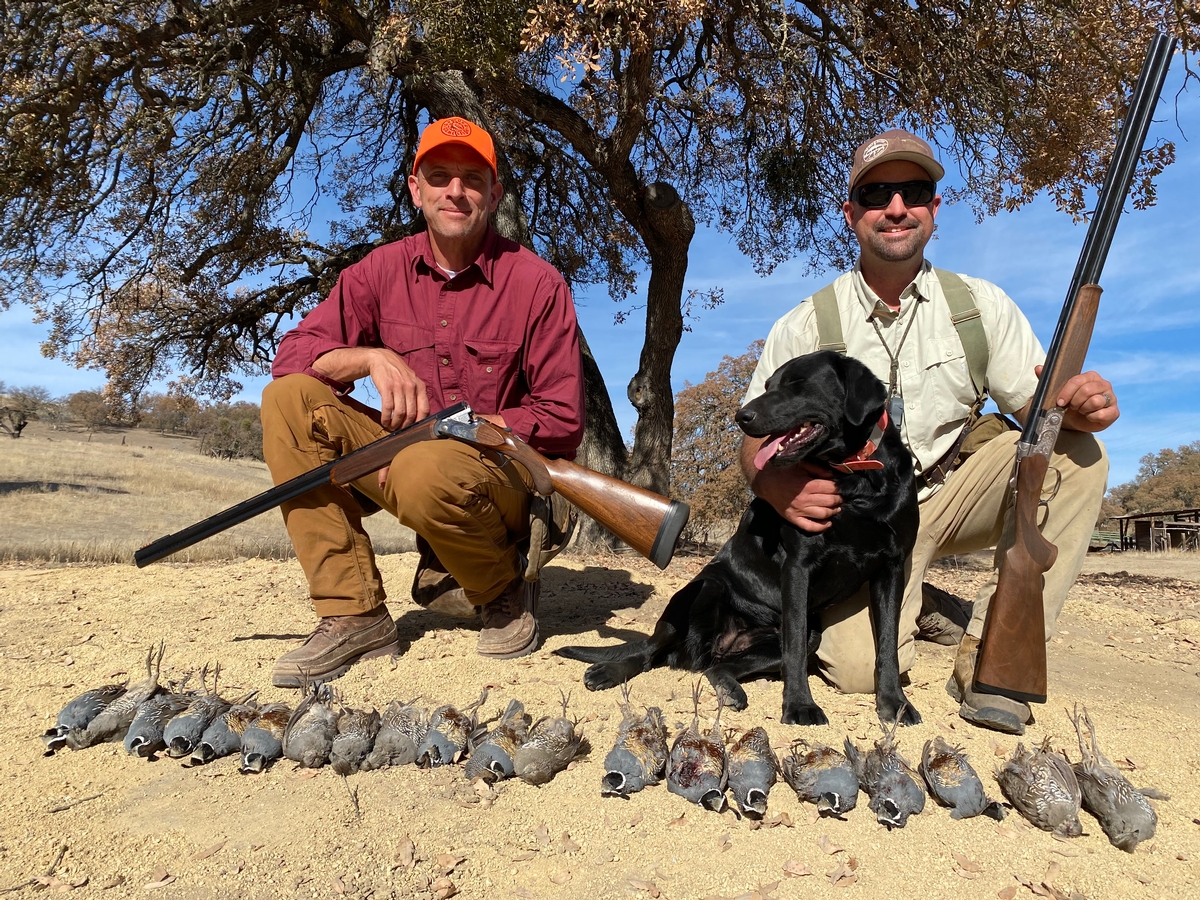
(896, 233)
(455, 190)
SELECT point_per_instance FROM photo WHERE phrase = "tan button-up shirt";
(932, 376)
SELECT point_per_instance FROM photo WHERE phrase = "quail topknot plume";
(355, 738)
(821, 775)
(888, 779)
(696, 767)
(953, 782)
(184, 732)
(1042, 788)
(112, 723)
(224, 735)
(401, 731)
(450, 733)
(79, 713)
(262, 737)
(549, 747)
(639, 756)
(492, 758)
(753, 769)
(1122, 810)
(310, 730)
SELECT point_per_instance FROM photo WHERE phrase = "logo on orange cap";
(455, 130)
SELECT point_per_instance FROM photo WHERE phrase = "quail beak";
(829, 805)
(714, 800)
(756, 804)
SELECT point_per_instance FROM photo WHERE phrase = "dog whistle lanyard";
(895, 400)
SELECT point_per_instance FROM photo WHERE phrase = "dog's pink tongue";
(767, 451)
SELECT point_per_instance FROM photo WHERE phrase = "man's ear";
(865, 394)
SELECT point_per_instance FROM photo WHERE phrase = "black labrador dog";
(750, 611)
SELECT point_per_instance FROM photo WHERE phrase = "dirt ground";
(115, 826)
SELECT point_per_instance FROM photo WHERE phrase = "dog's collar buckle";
(861, 461)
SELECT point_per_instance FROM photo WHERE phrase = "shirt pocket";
(948, 379)
(413, 343)
(492, 371)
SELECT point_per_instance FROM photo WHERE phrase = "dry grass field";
(99, 823)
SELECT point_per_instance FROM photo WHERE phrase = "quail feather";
(821, 775)
(185, 731)
(262, 739)
(449, 735)
(308, 736)
(401, 730)
(753, 769)
(1042, 788)
(492, 758)
(953, 782)
(696, 766)
(639, 756)
(223, 736)
(549, 747)
(114, 720)
(1122, 810)
(888, 779)
(79, 713)
(145, 735)
(355, 738)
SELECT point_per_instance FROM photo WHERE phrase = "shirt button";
(949, 353)
(445, 361)
(489, 368)
(454, 396)
(443, 323)
(906, 364)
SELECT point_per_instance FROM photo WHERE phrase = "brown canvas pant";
(469, 507)
(968, 514)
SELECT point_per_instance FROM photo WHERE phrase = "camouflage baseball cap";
(894, 144)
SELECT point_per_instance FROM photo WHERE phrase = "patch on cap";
(456, 127)
(874, 148)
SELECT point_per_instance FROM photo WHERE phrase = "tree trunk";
(668, 234)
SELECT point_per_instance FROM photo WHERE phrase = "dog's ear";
(865, 394)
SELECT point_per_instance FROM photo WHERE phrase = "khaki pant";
(469, 507)
(967, 514)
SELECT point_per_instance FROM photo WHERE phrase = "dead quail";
(450, 733)
(112, 723)
(401, 731)
(1123, 811)
(953, 782)
(492, 758)
(262, 740)
(1042, 787)
(823, 776)
(79, 713)
(224, 735)
(184, 732)
(888, 779)
(355, 738)
(696, 766)
(753, 769)
(310, 730)
(549, 747)
(639, 756)
(145, 735)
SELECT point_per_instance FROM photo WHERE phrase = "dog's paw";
(601, 677)
(803, 714)
(734, 697)
(887, 713)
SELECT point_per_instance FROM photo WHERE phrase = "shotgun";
(649, 523)
(1012, 649)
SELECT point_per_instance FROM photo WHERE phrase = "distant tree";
(19, 406)
(704, 460)
(88, 409)
(172, 413)
(230, 430)
(1168, 479)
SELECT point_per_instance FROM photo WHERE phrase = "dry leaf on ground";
(796, 869)
(829, 846)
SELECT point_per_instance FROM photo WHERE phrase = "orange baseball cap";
(457, 131)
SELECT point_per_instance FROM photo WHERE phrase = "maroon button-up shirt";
(500, 335)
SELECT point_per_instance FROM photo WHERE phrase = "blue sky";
(1146, 341)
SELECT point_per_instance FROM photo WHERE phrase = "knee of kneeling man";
(1086, 451)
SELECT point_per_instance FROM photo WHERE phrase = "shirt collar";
(485, 261)
(918, 288)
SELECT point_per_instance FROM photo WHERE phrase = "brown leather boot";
(510, 626)
(944, 617)
(437, 590)
(987, 710)
(337, 643)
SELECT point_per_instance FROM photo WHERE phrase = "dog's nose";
(744, 416)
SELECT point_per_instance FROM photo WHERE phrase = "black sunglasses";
(878, 194)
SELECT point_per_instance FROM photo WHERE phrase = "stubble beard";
(893, 250)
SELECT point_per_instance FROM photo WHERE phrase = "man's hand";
(402, 396)
(1089, 402)
(803, 494)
